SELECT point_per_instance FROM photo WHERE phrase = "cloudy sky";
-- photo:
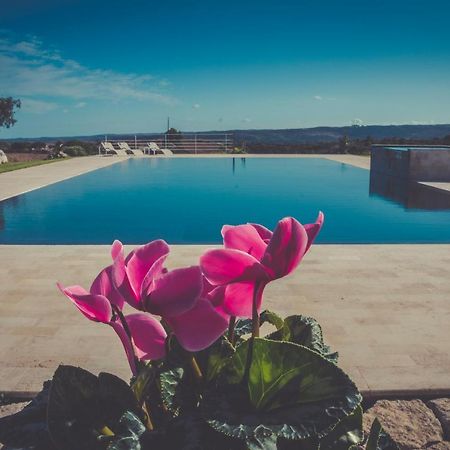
(94, 66)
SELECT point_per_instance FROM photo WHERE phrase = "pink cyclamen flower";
(253, 256)
(101, 304)
(174, 295)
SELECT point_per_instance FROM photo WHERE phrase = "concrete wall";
(389, 162)
(429, 165)
(414, 164)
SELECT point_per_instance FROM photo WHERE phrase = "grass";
(9, 166)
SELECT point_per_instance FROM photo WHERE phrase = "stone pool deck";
(384, 307)
(23, 180)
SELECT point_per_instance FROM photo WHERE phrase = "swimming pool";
(187, 200)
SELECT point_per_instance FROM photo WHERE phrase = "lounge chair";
(109, 147)
(154, 147)
(124, 146)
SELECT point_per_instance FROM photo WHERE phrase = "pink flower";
(253, 256)
(174, 295)
(103, 304)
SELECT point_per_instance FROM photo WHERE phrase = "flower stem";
(255, 333)
(231, 326)
(124, 323)
(255, 315)
(149, 423)
(195, 368)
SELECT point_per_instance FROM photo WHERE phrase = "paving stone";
(388, 329)
(410, 423)
(441, 409)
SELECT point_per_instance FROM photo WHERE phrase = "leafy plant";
(202, 377)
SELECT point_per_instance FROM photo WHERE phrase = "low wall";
(412, 163)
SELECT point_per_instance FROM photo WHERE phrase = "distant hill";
(296, 135)
(333, 134)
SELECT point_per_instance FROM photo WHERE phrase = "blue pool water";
(188, 200)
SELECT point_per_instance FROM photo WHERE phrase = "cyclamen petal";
(312, 229)
(149, 336)
(264, 232)
(286, 247)
(175, 292)
(94, 307)
(127, 345)
(140, 261)
(155, 272)
(120, 278)
(224, 266)
(103, 285)
(238, 299)
(199, 327)
(245, 238)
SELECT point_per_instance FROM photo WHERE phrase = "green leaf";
(141, 383)
(262, 439)
(347, 433)
(378, 439)
(242, 327)
(115, 397)
(128, 433)
(215, 357)
(170, 382)
(304, 444)
(81, 405)
(272, 318)
(292, 390)
(28, 428)
(73, 410)
(304, 331)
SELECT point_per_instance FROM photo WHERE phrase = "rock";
(441, 409)
(444, 445)
(410, 423)
(12, 408)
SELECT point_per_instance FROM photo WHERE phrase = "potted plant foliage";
(203, 376)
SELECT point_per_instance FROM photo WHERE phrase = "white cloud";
(247, 120)
(320, 98)
(34, 106)
(195, 106)
(357, 122)
(30, 70)
(80, 105)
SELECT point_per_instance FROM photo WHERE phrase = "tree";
(173, 135)
(7, 110)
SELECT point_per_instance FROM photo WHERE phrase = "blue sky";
(94, 66)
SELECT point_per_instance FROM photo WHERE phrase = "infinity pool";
(186, 201)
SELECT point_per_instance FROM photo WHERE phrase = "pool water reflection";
(187, 201)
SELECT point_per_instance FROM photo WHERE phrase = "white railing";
(176, 143)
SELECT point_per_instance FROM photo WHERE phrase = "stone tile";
(390, 330)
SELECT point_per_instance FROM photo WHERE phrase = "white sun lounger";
(108, 147)
(124, 146)
(154, 147)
